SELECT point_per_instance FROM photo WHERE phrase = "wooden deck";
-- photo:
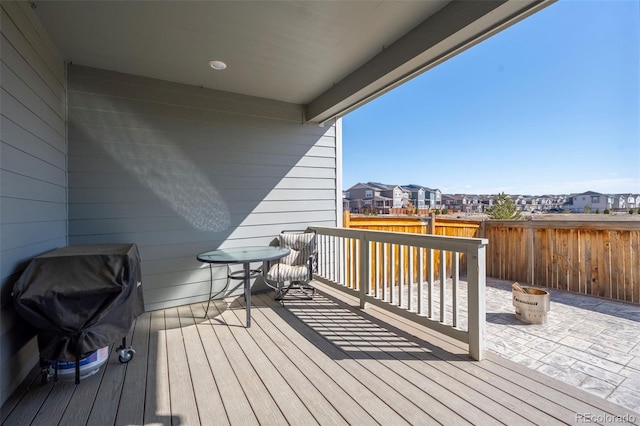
(309, 362)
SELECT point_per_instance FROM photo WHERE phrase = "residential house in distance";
(466, 203)
(433, 198)
(345, 201)
(589, 201)
(520, 201)
(487, 202)
(384, 198)
(376, 197)
(530, 203)
(625, 202)
(391, 199)
(423, 197)
(454, 202)
(416, 195)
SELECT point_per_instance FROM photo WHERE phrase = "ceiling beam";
(456, 27)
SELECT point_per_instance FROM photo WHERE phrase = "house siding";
(179, 170)
(33, 163)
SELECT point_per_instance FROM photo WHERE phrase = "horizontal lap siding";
(179, 170)
(33, 180)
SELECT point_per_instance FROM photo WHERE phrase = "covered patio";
(116, 129)
(323, 361)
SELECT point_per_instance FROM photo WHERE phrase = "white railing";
(403, 272)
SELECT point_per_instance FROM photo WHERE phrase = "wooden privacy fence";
(587, 257)
(595, 258)
(405, 261)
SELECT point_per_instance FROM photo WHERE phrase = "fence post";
(476, 282)
(530, 252)
(432, 224)
(364, 269)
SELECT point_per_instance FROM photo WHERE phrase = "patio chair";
(296, 268)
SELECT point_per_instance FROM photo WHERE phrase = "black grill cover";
(80, 298)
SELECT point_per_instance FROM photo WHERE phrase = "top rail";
(437, 242)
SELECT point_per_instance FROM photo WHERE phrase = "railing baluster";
(378, 269)
(346, 259)
(385, 271)
(411, 278)
(364, 280)
(401, 273)
(420, 283)
(443, 285)
(330, 258)
(431, 277)
(353, 261)
(356, 271)
(322, 263)
(340, 262)
(455, 278)
(371, 284)
(392, 298)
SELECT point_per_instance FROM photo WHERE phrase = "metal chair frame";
(303, 286)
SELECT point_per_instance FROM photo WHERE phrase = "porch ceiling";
(330, 56)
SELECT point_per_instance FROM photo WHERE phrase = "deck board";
(480, 392)
(78, 410)
(375, 359)
(352, 379)
(264, 406)
(323, 361)
(285, 398)
(207, 397)
(105, 404)
(422, 383)
(131, 408)
(237, 408)
(294, 361)
(157, 407)
(183, 402)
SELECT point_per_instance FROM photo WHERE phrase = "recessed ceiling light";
(217, 65)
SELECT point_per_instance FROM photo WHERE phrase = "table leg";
(206, 312)
(247, 292)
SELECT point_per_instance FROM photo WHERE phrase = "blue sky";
(550, 105)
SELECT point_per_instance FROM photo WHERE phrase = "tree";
(504, 208)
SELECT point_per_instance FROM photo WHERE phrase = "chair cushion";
(282, 272)
(302, 245)
(297, 240)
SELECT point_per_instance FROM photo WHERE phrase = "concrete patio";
(587, 342)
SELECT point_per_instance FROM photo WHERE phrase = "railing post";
(364, 269)
(476, 282)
